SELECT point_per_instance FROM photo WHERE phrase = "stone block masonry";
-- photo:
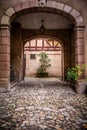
(4, 56)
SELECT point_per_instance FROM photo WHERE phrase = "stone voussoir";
(10, 11)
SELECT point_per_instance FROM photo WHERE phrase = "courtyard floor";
(43, 104)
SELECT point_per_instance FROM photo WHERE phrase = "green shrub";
(74, 73)
(44, 65)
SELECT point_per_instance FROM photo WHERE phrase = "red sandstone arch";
(51, 4)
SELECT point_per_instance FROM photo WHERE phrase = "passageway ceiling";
(51, 21)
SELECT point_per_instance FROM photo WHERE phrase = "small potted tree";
(75, 77)
(44, 65)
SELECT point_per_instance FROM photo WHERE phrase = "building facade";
(20, 21)
(34, 48)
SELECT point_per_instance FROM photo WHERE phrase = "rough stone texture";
(4, 48)
(4, 32)
(4, 57)
(43, 104)
(5, 19)
(67, 8)
(25, 5)
(4, 84)
(80, 34)
(4, 73)
(59, 6)
(52, 4)
(17, 7)
(4, 43)
(81, 58)
(81, 86)
(4, 65)
(79, 20)
(79, 47)
(10, 11)
(80, 50)
(74, 13)
(79, 42)
(33, 3)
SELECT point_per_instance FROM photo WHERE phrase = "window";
(33, 56)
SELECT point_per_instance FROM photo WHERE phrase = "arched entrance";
(73, 38)
(54, 51)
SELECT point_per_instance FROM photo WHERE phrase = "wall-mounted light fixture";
(42, 3)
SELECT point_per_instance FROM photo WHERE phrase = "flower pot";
(42, 75)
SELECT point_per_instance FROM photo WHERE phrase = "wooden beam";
(56, 45)
(48, 43)
(42, 47)
(39, 49)
(52, 47)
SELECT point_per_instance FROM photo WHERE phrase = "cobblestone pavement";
(43, 104)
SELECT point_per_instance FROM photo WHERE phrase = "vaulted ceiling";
(51, 21)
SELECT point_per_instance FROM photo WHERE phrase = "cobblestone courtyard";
(43, 104)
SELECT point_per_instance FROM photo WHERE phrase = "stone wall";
(16, 50)
(4, 57)
(17, 46)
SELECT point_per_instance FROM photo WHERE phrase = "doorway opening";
(51, 47)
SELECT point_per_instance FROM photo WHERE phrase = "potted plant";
(74, 75)
(44, 65)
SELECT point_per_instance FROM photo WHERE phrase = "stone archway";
(6, 18)
(5, 34)
(56, 56)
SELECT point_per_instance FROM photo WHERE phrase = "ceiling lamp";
(42, 28)
(42, 3)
